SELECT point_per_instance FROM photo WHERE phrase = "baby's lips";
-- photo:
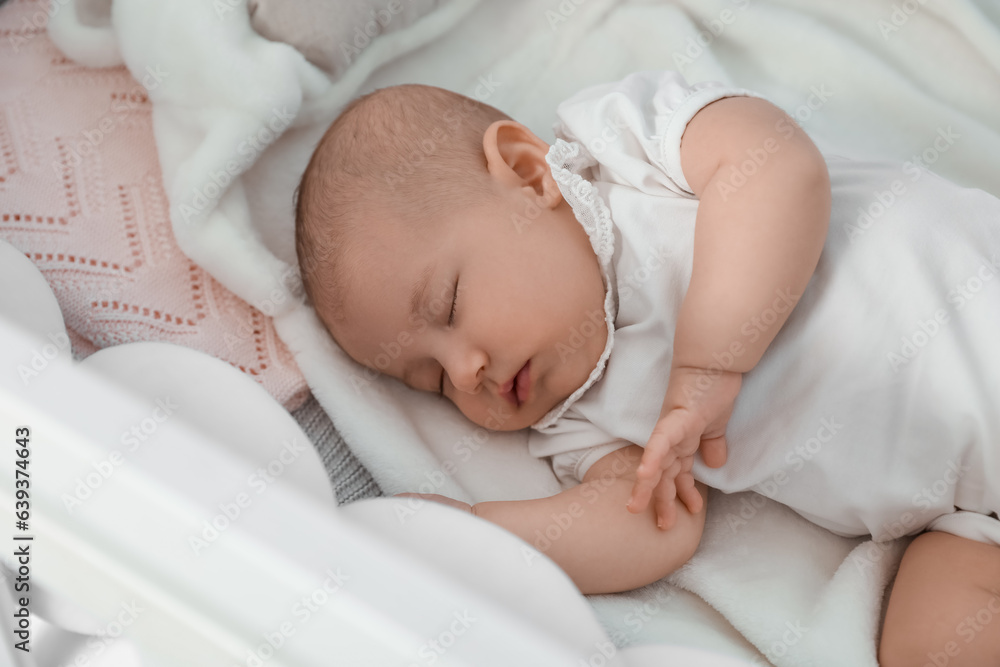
(515, 390)
(523, 382)
(507, 393)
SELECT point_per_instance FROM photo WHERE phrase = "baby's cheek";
(472, 409)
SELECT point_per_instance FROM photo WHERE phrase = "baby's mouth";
(516, 390)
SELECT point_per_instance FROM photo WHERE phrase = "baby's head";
(436, 248)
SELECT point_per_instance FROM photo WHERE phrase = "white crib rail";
(124, 558)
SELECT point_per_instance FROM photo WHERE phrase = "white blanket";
(236, 118)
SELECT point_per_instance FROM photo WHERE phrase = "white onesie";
(876, 409)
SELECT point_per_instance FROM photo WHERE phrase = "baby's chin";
(506, 420)
(508, 426)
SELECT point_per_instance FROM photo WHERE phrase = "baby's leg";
(944, 608)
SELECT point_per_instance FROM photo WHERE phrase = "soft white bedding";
(864, 78)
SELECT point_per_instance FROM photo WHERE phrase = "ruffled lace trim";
(567, 161)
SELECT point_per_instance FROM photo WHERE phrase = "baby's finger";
(666, 511)
(714, 451)
(651, 476)
(668, 431)
(688, 494)
(641, 492)
(689, 445)
(652, 466)
(653, 459)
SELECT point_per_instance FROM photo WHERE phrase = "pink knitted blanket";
(81, 195)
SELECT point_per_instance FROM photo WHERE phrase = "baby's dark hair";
(409, 153)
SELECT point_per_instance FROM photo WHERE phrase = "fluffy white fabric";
(332, 33)
(864, 78)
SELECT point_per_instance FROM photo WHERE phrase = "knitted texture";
(351, 481)
(81, 195)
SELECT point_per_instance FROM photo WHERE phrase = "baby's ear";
(515, 155)
(552, 196)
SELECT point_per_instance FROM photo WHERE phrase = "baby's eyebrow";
(419, 294)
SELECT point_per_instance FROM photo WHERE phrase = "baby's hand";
(433, 497)
(695, 412)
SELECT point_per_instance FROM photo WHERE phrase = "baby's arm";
(586, 534)
(753, 243)
(601, 550)
(762, 220)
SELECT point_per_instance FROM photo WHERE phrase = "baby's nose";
(465, 377)
(468, 383)
(466, 367)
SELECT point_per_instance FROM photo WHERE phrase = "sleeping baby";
(682, 291)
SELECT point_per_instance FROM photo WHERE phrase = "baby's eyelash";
(454, 300)
(451, 321)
